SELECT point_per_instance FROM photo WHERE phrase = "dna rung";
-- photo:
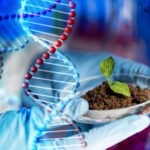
(62, 131)
(12, 37)
(52, 86)
(24, 15)
(48, 25)
(52, 81)
(55, 79)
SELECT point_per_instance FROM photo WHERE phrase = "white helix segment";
(53, 80)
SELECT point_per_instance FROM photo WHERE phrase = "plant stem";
(109, 82)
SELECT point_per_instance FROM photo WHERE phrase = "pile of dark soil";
(103, 98)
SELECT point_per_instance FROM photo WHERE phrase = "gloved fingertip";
(83, 107)
(76, 108)
(139, 121)
(116, 131)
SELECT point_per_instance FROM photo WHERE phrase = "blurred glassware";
(124, 37)
(110, 26)
(143, 23)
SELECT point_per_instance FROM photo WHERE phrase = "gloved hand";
(118, 130)
(20, 128)
(99, 137)
(104, 136)
(8, 102)
(23, 126)
(122, 66)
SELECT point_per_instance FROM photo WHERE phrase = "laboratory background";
(116, 27)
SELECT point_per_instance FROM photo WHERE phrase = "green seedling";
(106, 68)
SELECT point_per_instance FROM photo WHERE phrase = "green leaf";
(121, 88)
(107, 66)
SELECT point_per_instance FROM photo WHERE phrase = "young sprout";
(106, 68)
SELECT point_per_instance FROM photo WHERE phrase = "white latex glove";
(102, 137)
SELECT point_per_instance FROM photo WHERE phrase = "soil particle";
(103, 98)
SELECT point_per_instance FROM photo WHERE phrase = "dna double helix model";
(52, 81)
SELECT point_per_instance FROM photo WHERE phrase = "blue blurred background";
(119, 26)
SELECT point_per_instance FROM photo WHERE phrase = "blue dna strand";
(53, 80)
(51, 86)
(12, 35)
(51, 21)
